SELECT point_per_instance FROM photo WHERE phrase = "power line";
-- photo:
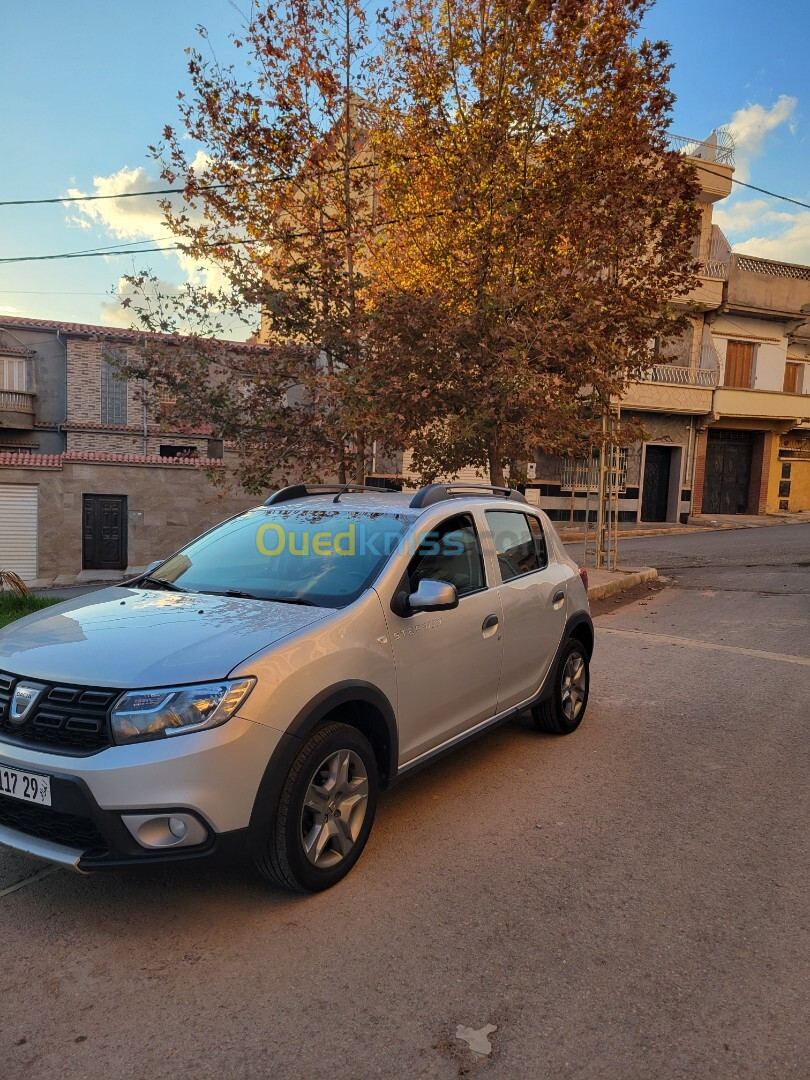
(742, 183)
(272, 179)
(122, 195)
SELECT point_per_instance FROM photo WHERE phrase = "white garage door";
(18, 529)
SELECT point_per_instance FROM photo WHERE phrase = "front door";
(104, 532)
(448, 662)
(728, 472)
(655, 495)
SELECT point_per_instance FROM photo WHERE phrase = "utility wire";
(288, 176)
(273, 179)
(113, 249)
(122, 195)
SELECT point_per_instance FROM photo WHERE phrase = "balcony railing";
(680, 375)
(16, 401)
(719, 147)
(752, 265)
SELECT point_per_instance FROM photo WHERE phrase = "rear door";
(447, 662)
(533, 600)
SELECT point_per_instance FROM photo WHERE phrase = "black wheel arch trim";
(580, 619)
(298, 731)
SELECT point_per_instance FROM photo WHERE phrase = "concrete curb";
(621, 581)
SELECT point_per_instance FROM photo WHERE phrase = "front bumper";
(214, 775)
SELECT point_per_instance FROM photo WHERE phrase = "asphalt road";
(630, 901)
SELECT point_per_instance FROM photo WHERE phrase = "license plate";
(26, 786)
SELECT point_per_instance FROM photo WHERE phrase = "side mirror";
(433, 596)
(152, 566)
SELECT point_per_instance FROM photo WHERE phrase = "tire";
(562, 712)
(327, 805)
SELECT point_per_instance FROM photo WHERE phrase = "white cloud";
(6, 309)
(140, 218)
(125, 217)
(789, 245)
(739, 217)
(750, 125)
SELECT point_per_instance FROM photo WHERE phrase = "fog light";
(177, 827)
(166, 831)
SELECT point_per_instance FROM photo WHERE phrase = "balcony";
(714, 158)
(766, 288)
(791, 410)
(679, 387)
(17, 410)
(714, 259)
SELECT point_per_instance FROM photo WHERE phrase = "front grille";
(46, 823)
(70, 719)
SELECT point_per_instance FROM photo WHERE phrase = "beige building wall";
(167, 506)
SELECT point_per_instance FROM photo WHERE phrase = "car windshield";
(303, 555)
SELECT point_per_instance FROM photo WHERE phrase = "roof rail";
(434, 493)
(301, 491)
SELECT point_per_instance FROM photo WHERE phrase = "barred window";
(113, 388)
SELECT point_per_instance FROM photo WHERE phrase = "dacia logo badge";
(24, 698)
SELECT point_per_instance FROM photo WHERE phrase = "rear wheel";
(325, 811)
(562, 712)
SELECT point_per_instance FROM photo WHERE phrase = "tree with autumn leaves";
(462, 232)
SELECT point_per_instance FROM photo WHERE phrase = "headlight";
(173, 710)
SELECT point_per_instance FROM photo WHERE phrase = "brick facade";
(700, 471)
(761, 454)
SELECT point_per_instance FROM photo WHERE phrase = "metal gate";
(19, 518)
(728, 472)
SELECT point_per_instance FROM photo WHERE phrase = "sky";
(86, 87)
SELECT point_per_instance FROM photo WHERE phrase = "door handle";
(489, 622)
(558, 597)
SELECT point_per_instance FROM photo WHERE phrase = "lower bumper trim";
(41, 849)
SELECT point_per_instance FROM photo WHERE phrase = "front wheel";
(562, 712)
(325, 811)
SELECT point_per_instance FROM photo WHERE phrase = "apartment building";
(94, 482)
(753, 453)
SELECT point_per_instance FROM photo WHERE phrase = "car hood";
(129, 637)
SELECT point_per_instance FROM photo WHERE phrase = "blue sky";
(85, 87)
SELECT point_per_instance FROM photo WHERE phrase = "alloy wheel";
(574, 685)
(334, 809)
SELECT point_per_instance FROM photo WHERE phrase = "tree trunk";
(359, 460)
(496, 476)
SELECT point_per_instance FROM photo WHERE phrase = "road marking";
(38, 876)
(694, 643)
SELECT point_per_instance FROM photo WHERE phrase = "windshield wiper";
(293, 600)
(240, 594)
(162, 583)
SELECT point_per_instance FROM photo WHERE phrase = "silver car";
(251, 696)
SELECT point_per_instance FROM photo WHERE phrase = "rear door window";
(519, 543)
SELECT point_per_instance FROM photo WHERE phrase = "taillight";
(583, 573)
